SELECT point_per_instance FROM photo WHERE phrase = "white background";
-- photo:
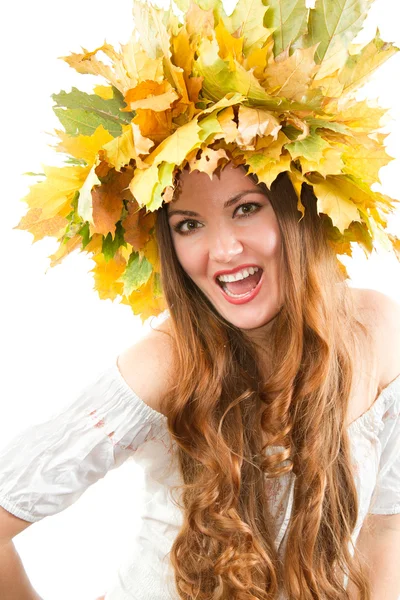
(56, 334)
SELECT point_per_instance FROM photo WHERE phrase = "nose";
(224, 245)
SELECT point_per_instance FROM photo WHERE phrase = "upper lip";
(232, 271)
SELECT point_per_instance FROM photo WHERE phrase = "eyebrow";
(227, 204)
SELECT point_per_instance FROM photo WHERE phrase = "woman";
(265, 409)
(296, 365)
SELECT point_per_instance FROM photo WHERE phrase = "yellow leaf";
(330, 163)
(360, 116)
(271, 169)
(150, 95)
(121, 149)
(395, 245)
(230, 48)
(290, 76)
(106, 275)
(364, 157)
(142, 144)
(104, 91)
(85, 207)
(84, 147)
(64, 250)
(143, 300)
(333, 202)
(255, 122)
(208, 161)
(128, 67)
(32, 222)
(259, 58)
(228, 125)
(53, 195)
(151, 252)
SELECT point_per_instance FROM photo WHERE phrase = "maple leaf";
(332, 26)
(330, 163)
(147, 300)
(81, 113)
(227, 124)
(288, 19)
(104, 91)
(136, 273)
(84, 147)
(137, 225)
(360, 66)
(107, 201)
(255, 122)
(230, 48)
(333, 202)
(290, 76)
(106, 274)
(395, 245)
(128, 67)
(364, 157)
(246, 22)
(151, 252)
(39, 227)
(360, 116)
(54, 195)
(151, 95)
(311, 147)
(64, 250)
(219, 80)
(85, 208)
(122, 149)
(209, 161)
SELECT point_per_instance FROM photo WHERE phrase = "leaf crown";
(270, 86)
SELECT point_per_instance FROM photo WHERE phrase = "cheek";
(268, 240)
(190, 256)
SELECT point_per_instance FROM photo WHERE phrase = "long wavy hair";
(237, 429)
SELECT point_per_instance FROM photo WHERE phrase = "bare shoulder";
(381, 314)
(147, 365)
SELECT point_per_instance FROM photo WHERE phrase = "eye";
(179, 226)
(255, 206)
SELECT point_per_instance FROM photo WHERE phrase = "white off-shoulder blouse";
(108, 422)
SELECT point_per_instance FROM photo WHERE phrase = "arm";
(14, 582)
(379, 547)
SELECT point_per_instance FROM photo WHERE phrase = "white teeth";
(239, 275)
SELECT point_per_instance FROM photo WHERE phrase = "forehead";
(199, 188)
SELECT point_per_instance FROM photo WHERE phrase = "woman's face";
(227, 227)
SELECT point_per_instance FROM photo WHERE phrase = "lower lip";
(246, 298)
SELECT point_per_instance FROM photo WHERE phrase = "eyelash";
(179, 225)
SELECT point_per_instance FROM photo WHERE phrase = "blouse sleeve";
(386, 495)
(48, 466)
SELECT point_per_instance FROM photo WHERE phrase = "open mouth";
(242, 287)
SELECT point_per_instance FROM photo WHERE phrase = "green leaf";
(110, 245)
(84, 232)
(322, 124)
(311, 148)
(78, 162)
(247, 21)
(334, 25)
(137, 273)
(165, 179)
(81, 113)
(289, 19)
(360, 66)
(219, 80)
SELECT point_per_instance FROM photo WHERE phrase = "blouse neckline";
(375, 407)
(368, 415)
